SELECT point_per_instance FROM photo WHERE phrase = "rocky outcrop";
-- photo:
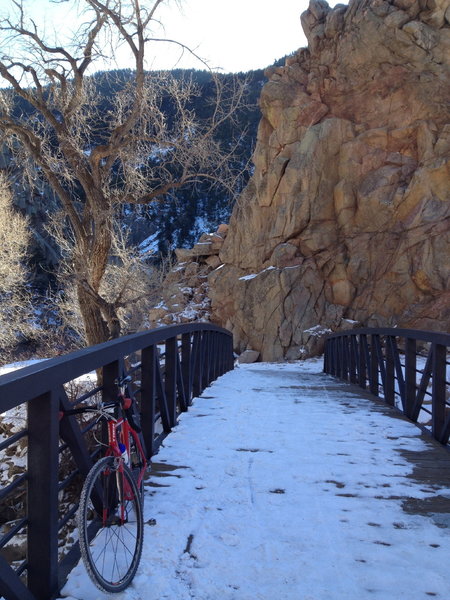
(346, 218)
(184, 293)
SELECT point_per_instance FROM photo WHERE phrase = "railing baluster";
(204, 360)
(380, 360)
(197, 364)
(410, 376)
(423, 386)
(399, 373)
(389, 387)
(353, 359)
(11, 587)
(362, 371)
(371, 361)
(374, 370)
(170, 379)
(181, 394)
(345, 357)
(43, 495)
(440, 428)
(186, 366)
(148, 396)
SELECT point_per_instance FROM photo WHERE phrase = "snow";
(253, 275)
(18, 365)
(317, 331)
(150, 244)
(282, 483)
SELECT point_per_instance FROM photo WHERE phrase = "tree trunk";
(100, 319)
(95, 325)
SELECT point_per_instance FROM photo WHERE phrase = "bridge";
(346, 431)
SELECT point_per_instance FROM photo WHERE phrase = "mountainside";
(346, 217)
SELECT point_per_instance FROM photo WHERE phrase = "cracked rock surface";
(346, 219)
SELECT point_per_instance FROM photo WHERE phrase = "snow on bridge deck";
(281, 483)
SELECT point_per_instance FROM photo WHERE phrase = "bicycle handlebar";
(84, 409)
(99, 410)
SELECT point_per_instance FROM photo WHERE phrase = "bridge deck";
(282, 483)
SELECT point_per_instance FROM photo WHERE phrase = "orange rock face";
(346, 218)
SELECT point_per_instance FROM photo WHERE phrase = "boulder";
(248, 356)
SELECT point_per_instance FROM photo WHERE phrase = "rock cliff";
(346, 218)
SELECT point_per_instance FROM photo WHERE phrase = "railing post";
(399, 372)
(345, 357)
(203, 364)
(215, 351)
(325, 355)
(380, 360)
(170, 379)
(410, 376)
(328, 363)
(363, 363)
(180, 391)
(353, 363)
(389, 391)
(222, 353)
(110, 374)
(186, 365)
(197, 364)
(439, 430)
(373, 376)
(206, 353)
(148, 396)
(229, 363)
(43, 458)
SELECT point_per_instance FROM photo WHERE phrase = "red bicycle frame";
(119, 431)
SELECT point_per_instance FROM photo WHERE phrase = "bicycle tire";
(110, 505)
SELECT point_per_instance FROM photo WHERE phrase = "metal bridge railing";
(44, 460)
(410, 369)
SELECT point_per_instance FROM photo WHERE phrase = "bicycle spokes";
(111, 554)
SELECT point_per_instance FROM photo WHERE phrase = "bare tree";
(96, 162)
(14, 240)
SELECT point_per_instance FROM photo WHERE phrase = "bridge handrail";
(31, 381)
(416, 334)
(171, 365)
(386, 361)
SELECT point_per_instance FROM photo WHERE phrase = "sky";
(239, 35)
(280, 482)
(236, 35)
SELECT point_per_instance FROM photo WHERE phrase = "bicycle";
(110, 515)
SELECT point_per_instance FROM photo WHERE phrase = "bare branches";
(101, 142)
(14, 240)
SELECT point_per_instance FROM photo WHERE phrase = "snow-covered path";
(278, 485)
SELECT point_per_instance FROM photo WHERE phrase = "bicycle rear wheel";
(110, 524)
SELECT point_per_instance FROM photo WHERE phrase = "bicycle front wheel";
(110, 524)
